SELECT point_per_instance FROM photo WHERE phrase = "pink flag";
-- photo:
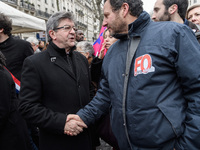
(98, 43)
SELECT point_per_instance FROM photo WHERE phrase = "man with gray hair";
(86, 49)
(34, 43)
(54, 84)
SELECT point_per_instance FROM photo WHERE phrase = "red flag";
(98, 43)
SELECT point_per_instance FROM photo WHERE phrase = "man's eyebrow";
(156, 8)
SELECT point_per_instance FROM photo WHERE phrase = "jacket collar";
(136, 27)
(7, 42)
(56, 57)
(61, 51)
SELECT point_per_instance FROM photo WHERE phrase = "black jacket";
(50, 91)
(15, 51)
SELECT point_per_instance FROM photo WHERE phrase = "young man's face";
(159, 12)
(113, 20)
(194, 15)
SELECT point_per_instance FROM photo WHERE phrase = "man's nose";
(72, 31)
(153, 17)
(104, 23)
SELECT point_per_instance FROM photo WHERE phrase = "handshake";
(74, 125)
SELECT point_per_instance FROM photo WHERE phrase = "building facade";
(43, 9)
(193, 2)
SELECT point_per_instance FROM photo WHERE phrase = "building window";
(195, 1)
(52, 3)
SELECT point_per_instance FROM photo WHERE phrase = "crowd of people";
(141, 92)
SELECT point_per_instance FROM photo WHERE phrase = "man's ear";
(1, 30)
(172, 9)
(87, 55)
(125, 9)
(52, 34)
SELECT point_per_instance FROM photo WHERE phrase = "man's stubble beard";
(165, 17)
(119, 26)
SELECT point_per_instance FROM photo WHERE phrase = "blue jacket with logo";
(162, 104)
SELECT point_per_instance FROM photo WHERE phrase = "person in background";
(103, 124)
(13, 130)
(34, 43)
(41, 45)
(79, 36)
(86, 49)
(46, 45)
(97, 61)
(193, 14)
(153, 93)
(172, 10)
(108, 40)
(15, 50)
(58, 86)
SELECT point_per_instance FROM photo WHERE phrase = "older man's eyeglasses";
(66, 28)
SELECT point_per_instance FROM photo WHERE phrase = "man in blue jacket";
(159, 109)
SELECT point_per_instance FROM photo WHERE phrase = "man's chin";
(72, 44)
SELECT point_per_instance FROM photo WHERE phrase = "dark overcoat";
(50, 91)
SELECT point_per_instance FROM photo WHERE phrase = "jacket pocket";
(174, 115)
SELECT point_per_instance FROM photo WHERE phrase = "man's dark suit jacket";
(50, 91)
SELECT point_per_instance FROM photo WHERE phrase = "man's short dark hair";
(5, 24)
(135, 6)
(182, 6)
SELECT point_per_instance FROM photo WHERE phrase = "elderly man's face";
(64, 35)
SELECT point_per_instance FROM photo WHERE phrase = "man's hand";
(74, 125)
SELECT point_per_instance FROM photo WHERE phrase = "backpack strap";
(133, 44)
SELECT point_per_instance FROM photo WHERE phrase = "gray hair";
(32, 40)
(55, 19)
(86, 47)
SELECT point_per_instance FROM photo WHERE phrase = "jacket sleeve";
(187, 67)
(30, 105)
(98, 106)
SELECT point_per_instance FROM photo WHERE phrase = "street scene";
(99, 74)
